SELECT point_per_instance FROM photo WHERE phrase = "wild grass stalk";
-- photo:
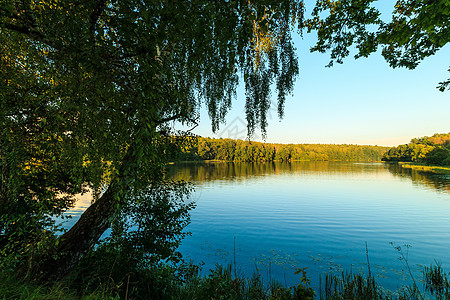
(414, 290)
(349, 286)
(437, 282)
(224, 282)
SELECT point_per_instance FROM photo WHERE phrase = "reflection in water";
(430, 180)
(210, 171)
(317, 215)
(71, 216)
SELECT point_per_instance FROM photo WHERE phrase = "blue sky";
(362, 101)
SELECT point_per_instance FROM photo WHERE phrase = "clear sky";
(362, 101)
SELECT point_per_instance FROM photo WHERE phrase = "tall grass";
(349, 286)
(221, 284)
(184, 282)
(12, 287)
(437, 282)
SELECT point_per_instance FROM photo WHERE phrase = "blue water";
(277, 218)
(273, 218)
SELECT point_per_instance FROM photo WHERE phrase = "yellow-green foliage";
(250, 151)
(434, 150)
(421, 167)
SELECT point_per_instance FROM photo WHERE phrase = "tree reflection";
(439, 182)
(200, 173)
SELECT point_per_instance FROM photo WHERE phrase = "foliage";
(249, 151)
(417, 29)
(13, 287)
(110, 270)
(88, 91)
(434, 150)
(116, 280)
(110, 273)
(150, 228)
(112, 277)
(142, 241)
(437, 281)
(350, 286)
(359, 286)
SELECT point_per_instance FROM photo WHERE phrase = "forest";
(249, 151)
(434, 150)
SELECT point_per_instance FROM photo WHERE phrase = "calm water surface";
(277, 217)
(273, 218)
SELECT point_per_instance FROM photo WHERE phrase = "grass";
(423, 167)
(220, 283)
(166, 282)
(13, 287)
(109, 276)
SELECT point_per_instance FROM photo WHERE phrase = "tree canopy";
(250, 151)
(433, 150)
(417, 29)
(89, 88)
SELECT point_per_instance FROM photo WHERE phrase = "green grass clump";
(220, 283)
(13, 287)
(183, 281)
(349, 286)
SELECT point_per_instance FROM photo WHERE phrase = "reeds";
(225, 282)
(349, 286)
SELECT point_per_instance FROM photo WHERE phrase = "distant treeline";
(434, 150)
(248, 151)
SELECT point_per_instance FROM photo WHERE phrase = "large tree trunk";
(82, 237)
(86, 232)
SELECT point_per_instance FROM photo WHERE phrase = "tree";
(432, 150)
(438, 156)
(88, 92)
(417, 30)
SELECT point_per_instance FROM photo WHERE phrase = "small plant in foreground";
(437, 282)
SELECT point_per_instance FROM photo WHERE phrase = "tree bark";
(81, 238)
(86, 232)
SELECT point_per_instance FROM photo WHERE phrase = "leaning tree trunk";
(86, 232)
(82, 237)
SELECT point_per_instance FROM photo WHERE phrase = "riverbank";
(427, 168)
(168, 282)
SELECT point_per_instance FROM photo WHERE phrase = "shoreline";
(427, 168)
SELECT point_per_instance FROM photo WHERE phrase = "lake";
(275, 217)
(272, 218)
